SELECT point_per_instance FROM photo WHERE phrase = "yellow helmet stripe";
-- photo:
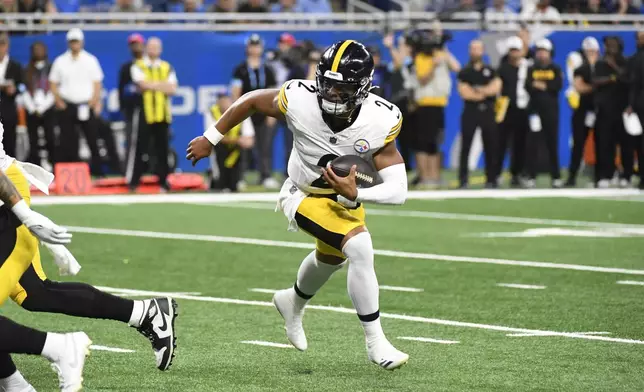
(338, 55)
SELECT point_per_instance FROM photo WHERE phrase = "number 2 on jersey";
(325, 160)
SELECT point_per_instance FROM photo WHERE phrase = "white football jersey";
(314, 143)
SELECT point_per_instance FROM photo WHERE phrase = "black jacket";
(129, 96)
(8, 102)
(636, 79)
(552, 75)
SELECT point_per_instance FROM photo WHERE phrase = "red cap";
(136, 37)
(287, 38)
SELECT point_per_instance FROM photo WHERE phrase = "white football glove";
(64, 259)
(41, 226)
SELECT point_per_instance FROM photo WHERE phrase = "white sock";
(14, 382)
(311, 276)
(138, 311)
(54, 346)
(362, 284)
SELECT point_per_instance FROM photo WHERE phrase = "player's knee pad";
(359, 249)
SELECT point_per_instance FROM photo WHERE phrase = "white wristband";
(21, 210)
(213, 135)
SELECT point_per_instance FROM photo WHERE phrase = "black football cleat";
(158, 327)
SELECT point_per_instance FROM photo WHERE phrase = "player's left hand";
(345, 186)
(199, 148)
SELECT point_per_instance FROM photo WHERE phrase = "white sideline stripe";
(631, 282)
(404, 289)
(268, 344)
(255, 197)
(266, 291)
(169, 294)
(389, 253)
(111, 349)
(455, 216)
(428, 340)
(519, 335)
(417, 319)
(390, 288)
(521, 286)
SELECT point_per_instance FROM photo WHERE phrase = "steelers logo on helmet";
(344, 76)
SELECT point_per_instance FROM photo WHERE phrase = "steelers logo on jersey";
(361, 146)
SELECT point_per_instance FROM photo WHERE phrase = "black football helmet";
(344, 77)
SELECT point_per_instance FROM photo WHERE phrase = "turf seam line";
(394, 316)
(379, 252)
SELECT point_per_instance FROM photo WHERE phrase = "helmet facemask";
(340, 97)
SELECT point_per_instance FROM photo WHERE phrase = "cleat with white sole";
(158, 327)
(285, 305)
(69, 366)
(385, 355)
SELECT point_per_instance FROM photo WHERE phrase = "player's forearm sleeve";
(393, 189)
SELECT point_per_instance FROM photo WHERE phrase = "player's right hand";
(41, 226)
(199, 148)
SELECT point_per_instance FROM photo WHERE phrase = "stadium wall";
(204, 62)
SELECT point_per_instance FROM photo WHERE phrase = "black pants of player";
(550, 135)
(47, 122)
(107, 136)
(608, 125)
(229, 177)
(264, 149)
(512, 133)
(579, 135)
(471, 119)
(154, 138)
(70, 140)
(640, 154)
(9, 116)
(628, 147)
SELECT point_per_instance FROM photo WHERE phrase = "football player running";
(335, 115)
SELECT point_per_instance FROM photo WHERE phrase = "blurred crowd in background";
(515, 105)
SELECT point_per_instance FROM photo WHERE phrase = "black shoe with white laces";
(158, 327)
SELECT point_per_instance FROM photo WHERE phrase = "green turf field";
(582, 332)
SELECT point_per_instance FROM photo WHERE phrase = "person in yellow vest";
(225, 159)
(157, 81)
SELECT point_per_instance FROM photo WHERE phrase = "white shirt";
(138, 75)
(550, 14)
(495, 15)
(76, 76)
(3, 68)
(315, 145)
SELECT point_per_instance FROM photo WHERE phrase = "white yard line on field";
(388, 253)
(521, 335)
(399, 288)
(267, 344)
(169, 294)
(382, 287)
(428, 340)
(403, 317)
(631, 282)
(454, 216)
(263, 197)
(265, 291)
(521, 286)
(94, 347)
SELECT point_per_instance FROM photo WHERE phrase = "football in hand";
(366, 175)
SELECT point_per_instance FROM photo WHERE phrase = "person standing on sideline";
(512, 113)
(129, 94)
(226, 156)
(636, 96)
(478, 85)
(254, 74)
(38, 101)
(580, 68)
(544, 82)
(157, 81)
(10, 80)
(611, 99)
(76, 81)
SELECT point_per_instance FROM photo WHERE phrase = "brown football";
(366, 175)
